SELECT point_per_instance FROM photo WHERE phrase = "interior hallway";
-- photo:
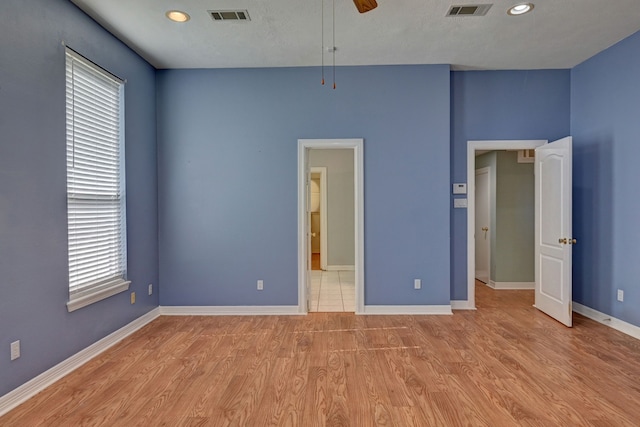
(332, 291)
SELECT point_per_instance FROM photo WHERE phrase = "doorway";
(353, 272)
(318, 219)
(472, 232)
(483, 220)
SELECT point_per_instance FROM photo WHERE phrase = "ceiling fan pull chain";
(334, 44)
(322, 35)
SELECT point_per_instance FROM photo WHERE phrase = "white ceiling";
(283, 33)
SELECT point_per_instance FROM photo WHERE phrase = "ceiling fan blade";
(365, 5)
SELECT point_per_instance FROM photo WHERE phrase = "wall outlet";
(15, 350)
(150, 288)
(620, 295)
(417, 284)
(133, 297)
(260, 285)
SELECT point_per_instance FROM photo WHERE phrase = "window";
(95, 182)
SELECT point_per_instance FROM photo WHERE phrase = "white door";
(554, 239)
(483, 215)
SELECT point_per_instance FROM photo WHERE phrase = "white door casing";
(307, 231)
(483, 218)
(304, 145)
(553, 230)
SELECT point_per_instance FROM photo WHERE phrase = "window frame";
(114, 280)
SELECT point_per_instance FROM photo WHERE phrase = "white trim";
(357, 145)
(231, 310)
(480, 275)
(511, 285)
(610, 321)
(340, 268)
(472, 146)
(408, 309)
(461, 305)
(48, 377)
(98, 295)
(322, 170)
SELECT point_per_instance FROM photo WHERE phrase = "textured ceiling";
(288, 33)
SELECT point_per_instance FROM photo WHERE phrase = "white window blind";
(95, 182)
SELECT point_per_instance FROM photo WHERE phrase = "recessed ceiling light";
(520, 9)
(177, 16)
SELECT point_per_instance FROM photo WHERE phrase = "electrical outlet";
(133, 297)
(15, 350)
(417, 284)
(620, 295)
(260, 285)
(150, 288)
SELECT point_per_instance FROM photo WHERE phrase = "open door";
(553, 229)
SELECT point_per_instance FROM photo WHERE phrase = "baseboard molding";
(48, 377)
(341, 268)
(605, 319)
(462, 305)
(481, 275)
(511, 285)
(407, 309)
(238, 310)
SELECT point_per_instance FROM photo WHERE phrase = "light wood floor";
(315, 262)
(505, 364)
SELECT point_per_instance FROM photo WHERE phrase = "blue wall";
(605, 123)
(33, 225)
(499, 105)
(227, 142)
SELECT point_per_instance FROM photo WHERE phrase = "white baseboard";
(407, 309)
(480, 275)
(48, 377)
(511, 285)
(605, 319)
(461, 305)
(237, 310)
(341, 267)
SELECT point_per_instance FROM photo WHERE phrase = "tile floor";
(333, 291)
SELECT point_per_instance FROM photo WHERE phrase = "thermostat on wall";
(460, 188)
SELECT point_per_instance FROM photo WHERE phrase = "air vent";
(229, 15)
(526, 156)
(469, 10)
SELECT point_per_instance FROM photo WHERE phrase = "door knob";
(563, 241)
(573, 242)
(485, 228)
(313, 234)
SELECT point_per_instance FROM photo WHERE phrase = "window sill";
(98, 295)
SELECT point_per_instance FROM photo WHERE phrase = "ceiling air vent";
(229, 15)
(469, 10)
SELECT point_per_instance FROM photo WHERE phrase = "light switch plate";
(459, 203)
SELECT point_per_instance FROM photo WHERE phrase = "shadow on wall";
(593, 223)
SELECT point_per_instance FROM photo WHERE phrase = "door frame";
(486, 145)
(322, 170)
(357, 145)
(484, 171)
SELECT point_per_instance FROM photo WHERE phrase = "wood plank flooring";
(505, 364)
